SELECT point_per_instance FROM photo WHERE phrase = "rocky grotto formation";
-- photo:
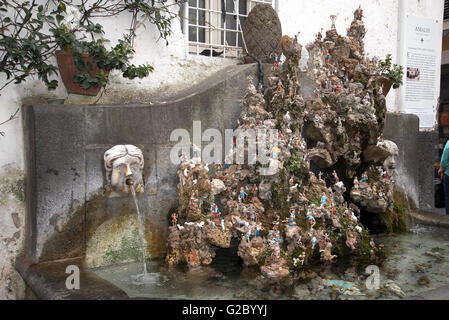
(329, 167)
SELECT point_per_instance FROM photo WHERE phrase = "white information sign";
(422, 69)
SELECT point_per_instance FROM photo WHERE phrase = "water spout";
(145, 277)
(141, 224)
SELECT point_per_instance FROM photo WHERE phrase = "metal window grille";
(446, 9)
(212, 26)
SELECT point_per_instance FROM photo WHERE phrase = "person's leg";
(446, 192)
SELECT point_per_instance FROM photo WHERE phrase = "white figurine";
(356, 183)
(200, 225)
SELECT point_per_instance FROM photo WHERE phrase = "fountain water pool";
(417, 262)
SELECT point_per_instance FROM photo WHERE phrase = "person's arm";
(444, 163)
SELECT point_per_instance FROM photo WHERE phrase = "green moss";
(12, 183)
(365, 247)
(280, 191)
(130, 250)
(298, 167)
(395, 219)
(266, 255)
(399, 222)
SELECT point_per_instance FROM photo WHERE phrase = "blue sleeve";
(445, 157)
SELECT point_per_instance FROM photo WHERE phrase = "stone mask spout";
(124, 165)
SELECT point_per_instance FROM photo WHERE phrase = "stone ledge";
(429, 218)
(47, 281)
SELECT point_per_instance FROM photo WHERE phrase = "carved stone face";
(393, 149)
(124, 164)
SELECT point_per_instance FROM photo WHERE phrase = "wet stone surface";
(417, 263)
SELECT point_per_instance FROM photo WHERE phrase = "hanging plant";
(26, 47)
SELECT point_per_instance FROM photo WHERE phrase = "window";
(446, 9)
(213, 28)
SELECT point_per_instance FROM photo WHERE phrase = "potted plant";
(84, 66)
(391, 74)
(32, 32)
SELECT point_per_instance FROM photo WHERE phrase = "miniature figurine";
(316, 91)
(291, 220)
(200, 225)
(350, 241)
(358, 14)
(258, 229)
(275, 152)
(356, 183)
(323, 200)
(193, 199)
(174, 218)
(367, 99)
(333, 18)
(227, 162)
(354, 218)
(252, 216)
(242, 195)
(333, 207)
(280, 86)
(337, 179)
(380, 142)
(313, 243)
(260, 88)
(327, 57)
(254, 190)
(374, 190)
(364, 177)
(277, 60)
(215, 210)
(196, 151)
(312, 221)
(192, 257)
(248, 234)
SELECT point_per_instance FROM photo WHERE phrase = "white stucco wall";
(174, 69)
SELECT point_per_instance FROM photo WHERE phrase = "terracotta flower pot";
(68, 69)
(386, 83)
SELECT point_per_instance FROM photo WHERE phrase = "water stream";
(143, 278)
